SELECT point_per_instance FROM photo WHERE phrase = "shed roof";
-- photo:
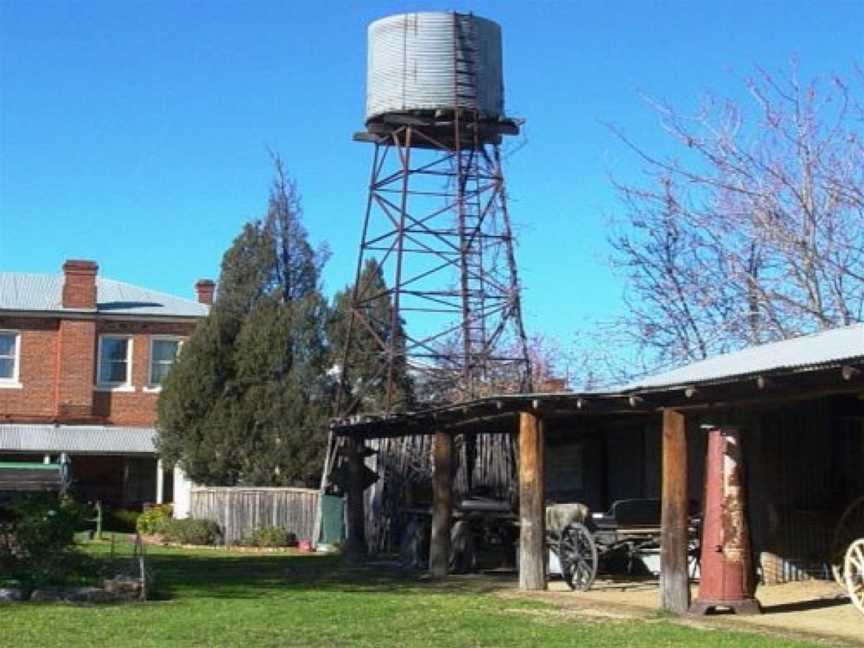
(798, 354)
(22, 291)
(77, 439)
(809, 360)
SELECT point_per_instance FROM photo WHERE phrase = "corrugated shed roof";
(89, 439)
(21, 291)
(796, 354)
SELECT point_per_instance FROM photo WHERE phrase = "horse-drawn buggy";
(628, 533)
(626, 537)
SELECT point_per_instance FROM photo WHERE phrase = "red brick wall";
(58, 371)
(75, 355)
(38, 358)
(79, 284)
(138, 407)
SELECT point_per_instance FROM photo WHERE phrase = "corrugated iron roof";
(795, 354)
(21, 291)
(89, 439)
(819, 352)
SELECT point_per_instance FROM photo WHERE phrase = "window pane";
(7, 368)
(160, 370)
(165, 350)
(114, 349)
(7, 345)
(114, 372)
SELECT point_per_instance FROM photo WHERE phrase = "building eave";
(97, 315)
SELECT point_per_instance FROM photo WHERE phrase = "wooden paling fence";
(239, 511)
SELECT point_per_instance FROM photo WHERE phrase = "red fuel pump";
(727, 579)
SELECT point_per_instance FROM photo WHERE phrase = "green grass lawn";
(216, 598)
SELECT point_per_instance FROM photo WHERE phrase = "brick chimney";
(76, 344)
(79, 284)
(205, 289)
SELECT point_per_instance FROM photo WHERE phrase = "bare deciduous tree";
(754, 230)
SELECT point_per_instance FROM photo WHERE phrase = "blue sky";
(136, 133)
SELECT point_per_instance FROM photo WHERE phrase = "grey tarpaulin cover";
(559, 516)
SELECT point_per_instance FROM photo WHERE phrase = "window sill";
(152, 389)
(128, 389)
(8, 384)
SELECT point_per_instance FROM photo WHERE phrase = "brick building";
(81, 363)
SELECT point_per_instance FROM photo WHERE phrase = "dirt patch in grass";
(816, 611)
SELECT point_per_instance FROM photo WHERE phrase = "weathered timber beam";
(532, 541)
(674, 581)
(355, 542)
(770, 398)
(442, 505)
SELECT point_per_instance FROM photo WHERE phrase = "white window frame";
(151, 386)
(14, 382)
(102, 385)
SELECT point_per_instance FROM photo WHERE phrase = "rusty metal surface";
(437, 225)
(727, 577)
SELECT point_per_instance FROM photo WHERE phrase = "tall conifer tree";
(248, 399)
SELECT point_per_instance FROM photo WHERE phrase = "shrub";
(154, 520)
(124, 519)
(270, 537)
(191, 531)
(37, 540)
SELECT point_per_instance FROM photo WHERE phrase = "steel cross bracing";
(438, 230)
(437, 225)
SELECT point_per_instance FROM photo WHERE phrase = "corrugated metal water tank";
(434, 60)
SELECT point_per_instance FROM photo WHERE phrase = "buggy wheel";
(849, 528)
(577, 553)
(853, 573)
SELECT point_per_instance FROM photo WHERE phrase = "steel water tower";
(437, 233)
(436, 219)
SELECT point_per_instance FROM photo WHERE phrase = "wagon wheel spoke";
(848, 529)
(578, 555)
(853, 573)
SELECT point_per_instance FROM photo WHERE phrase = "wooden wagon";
(629, 530)
(847, 560)
(481, 527)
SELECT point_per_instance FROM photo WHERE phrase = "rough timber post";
(355, 549)
(532, 541)
(674, 581)
(160, 482)
(442, 505)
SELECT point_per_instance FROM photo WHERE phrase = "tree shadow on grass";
(263, 575)
(255, 576)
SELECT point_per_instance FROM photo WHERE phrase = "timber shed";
(798, 403)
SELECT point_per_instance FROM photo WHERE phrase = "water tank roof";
(434, 61)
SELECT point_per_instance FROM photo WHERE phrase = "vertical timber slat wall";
(442, 505)
(532, 536)
(674, 581)
(239, 511)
